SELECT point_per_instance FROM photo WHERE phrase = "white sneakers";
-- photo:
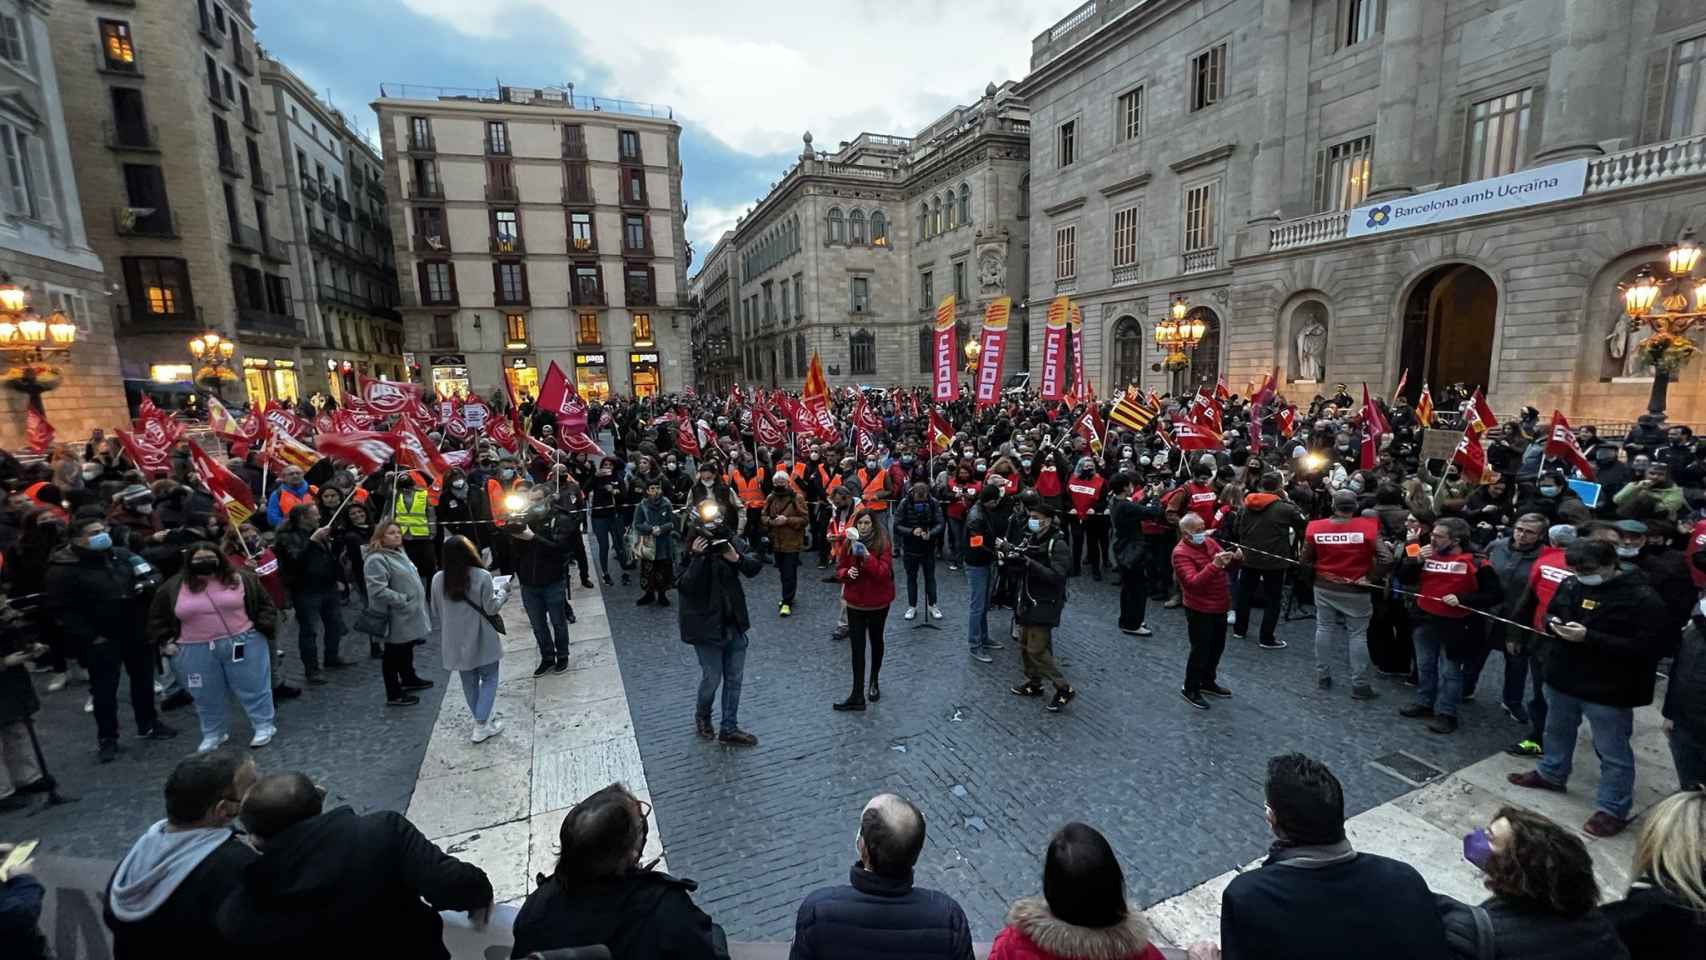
(263, 736)
(911, 612)
(211, 743)
(488, 730)
(58, 682)
(935, 612)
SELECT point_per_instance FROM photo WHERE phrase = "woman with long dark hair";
(866, 572)
(218, 622)
(463, 597)
(1083, 911)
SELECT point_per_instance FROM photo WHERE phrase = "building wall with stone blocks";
(1411, 92)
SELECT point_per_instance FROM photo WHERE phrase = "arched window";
(936, 216)
(948, 210)
(837, 229)
(879, 229)
(800, 360)
(856, 228)
(924, 221)
(861, 353)
(1127, 353)
(965, 204)
(1025, 196)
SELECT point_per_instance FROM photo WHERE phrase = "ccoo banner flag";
(994, 350)
(1054, 350)
(943, 388)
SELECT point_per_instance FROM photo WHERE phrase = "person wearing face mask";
(413, 512)
(312, 573)
(1600, 666)
(747, 482)
(1547, 497)
(162, 898)
(218, 622)
(986, 521)
(1450, 581)
(100, 593)
(865, 570)
(1040, 561)
(957, 495)
(610, 502)
(917, 525)
(462, 511)
(1087, 518)
(1292, 907)
(604, 891)
(874, 487)
(1545, 899)
(1657, 486)
(1200, 564)
(785, 522)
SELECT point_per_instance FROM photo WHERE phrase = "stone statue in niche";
(1623, 345)
(992, 271)
(1311, 343)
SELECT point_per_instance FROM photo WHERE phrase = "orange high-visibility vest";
(871, 489)
(750, 491)
(288, 501)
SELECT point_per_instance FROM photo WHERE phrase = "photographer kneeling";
(714, 618)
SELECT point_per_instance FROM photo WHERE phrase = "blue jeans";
(978, 580)
(722, 663)
(546, 608)
(1611, 728)
(325, 607)
(604, 529)
(1440, 678)
(480, 689)
(209, 674)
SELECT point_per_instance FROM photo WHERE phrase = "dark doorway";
(1204, 370)
(1448, 329)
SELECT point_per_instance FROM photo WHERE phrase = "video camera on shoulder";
(708, 522)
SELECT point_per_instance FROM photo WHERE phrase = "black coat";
(1294, 908)
(539, 562)
(182, 927)
(880, 917)
(910, 515)
(1613, 665)
(338, 879)
(710, 595)
(1654, 924)
(1126, 517)
(1042, 595)
(1270, 526)
(1526, 931)
(640, 916)
(307, 566)
(96, 594)
(1685, 696)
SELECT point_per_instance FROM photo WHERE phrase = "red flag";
(1194, 436)
(994, 351)
(385, 397)
(1090, 427)
(685, 439)
(284, 450)
(323, 423)
(1480, 411)
(415, 451)
(1075, 328)
(942, 344)
(556, 394)
(766, 429)
(1403, 378)
(865, 419)
(38, 433)
(1265, 393)
(1220, 391)
(1054, 349)
(365, 451)
(231, 493)
(1287, 421)
(540, 448)
(941, 435)
(283, 421)
(814, 396)
(1561, 444)
(502, 433)
(1470, 456)
(149, 459)
(1374, 427)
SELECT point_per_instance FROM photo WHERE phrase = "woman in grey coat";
(394, 587)
(463, 595)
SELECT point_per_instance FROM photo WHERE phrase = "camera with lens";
(708, 522)
(144, 579)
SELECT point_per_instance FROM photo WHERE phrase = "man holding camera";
(1040, 559)
(538, 538)
(714, 618)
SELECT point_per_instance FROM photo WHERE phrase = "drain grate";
(1407, 767)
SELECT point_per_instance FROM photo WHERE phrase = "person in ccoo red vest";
(1347, 553)
(1450, 582)
(1087, 518)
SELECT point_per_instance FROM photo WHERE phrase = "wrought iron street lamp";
(29, 341)
(213, 354)
(1179, 333)
(1668, 305)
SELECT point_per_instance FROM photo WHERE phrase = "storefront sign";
(1525, 188)
(449, 360)
(642, 358)
(589, 359)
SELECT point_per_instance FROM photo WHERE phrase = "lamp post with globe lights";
(212, 354)
(1668, 304)
(29, 341)
(1178, 333)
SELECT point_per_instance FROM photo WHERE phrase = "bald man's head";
(891, 835)
(278, 802)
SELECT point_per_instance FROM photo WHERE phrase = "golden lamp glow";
(12, 297)
(8, 332)
(227, 348)
(197, 348)
(61, 330)
(1684, 255)
(1638, 297)
(1180, 308)
(32, 329)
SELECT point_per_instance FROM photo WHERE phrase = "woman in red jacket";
(866, 572)
(1082, 914)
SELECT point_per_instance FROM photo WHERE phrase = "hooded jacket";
(338, 879)
(1268, 524)
(96, 593)
(162, 897)
(1042, 595)
(1033, 932)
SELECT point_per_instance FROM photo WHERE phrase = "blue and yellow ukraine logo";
(1380, 216)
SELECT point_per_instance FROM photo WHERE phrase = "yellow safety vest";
(412, 516)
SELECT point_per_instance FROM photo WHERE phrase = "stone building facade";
(849, 253)
(538, 225)
(179, 180)
(44, 247)
(340, 237)
(1288, 162)
(716, 365)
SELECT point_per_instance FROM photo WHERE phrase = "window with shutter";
(1687, 90)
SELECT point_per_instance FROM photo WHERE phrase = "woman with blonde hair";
(398, 600)
(1664, 915)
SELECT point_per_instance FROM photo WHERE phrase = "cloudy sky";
(745, 77)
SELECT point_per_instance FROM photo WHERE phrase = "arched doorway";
(1448, 328)
(1126, 349)
(1205, 359)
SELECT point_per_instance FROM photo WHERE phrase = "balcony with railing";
(133, 222)
(310, 187)
(639, 295)
(1307, 231)
(347, 298)
(508, 245)
(574, 148)
(425, 191)
(641, 249)
(376, 190)
(245, 237)
(583, 244)
(421, 141)
(328, 202)
(264, 322)
(586, 297)
(277, 250)
(501, 193)
(1199, 261)
(135, 319)
(142, 137)
(578, 195)
(1125, 275)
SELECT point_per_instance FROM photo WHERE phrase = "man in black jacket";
(986, 522)
(1271, 526)
(326, 882)
(1294, 906)
(100, 594)
(714, 618)
(881, 913)
(1600, 665)
(162, 898)
(539, 546)
(1040, 560)
(917, 523)
(1685, 706)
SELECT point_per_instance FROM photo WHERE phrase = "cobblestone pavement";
(367, 755)
(1178, 791)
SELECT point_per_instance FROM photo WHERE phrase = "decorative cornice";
(1203, 159)
(1129, 183)
(1065, 206)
